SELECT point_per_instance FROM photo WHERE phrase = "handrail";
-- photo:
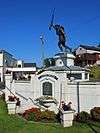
(22, 96)
(9, 90)
(37, 104)
(14, 94)
(2, 85)
(2, 91)
(25, 98)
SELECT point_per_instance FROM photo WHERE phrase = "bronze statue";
(62, 39)
(60, 33)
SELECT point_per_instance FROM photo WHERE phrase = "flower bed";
(35, 114)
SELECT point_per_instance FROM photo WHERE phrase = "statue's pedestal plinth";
(64, 59)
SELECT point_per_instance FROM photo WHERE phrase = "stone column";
(83, 75)
(2, 74)
(63, 87)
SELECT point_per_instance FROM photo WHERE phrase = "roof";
(62, 54)
(3, 51)
(66, 68)
(90, 47)
(22, 69)
(29, 64)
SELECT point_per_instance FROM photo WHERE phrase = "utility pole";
(42, 48)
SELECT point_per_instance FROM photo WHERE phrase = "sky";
(23, 21)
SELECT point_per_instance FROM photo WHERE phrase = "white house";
(9, 64)
(6, 60)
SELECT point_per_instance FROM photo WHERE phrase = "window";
(19, 66)
(47, 89)
(75, 75)
(60, 62)
(86, 75)
(80, 48)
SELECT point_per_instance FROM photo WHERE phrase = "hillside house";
(87, 56)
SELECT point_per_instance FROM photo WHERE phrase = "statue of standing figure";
(60, 33)
(62, 38)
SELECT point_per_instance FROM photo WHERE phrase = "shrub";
(48, 115)
(58, 117)
(95, 113)
(2, 96)
(33, 114)
(82, 117)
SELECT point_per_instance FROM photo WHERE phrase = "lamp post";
(42, 48)
(78, 98)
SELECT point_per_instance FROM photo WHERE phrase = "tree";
(49, 62)
(52, 62)
(46, 62)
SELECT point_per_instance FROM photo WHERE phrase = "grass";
(15, 124)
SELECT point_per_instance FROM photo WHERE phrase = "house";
(6, 60)
(87, 55)
(8, 64)
(22, 70)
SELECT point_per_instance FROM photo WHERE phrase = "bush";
(95, 113)
(48, 115)
(2, 96)
(82, 117)
(33, 114)
(58, 117)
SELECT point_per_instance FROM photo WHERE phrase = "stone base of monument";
(11, 105)
(67, 117)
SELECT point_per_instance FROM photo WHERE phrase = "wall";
(6, 60)
(89, 95)
(33, 89)
(1, 67)
(80, 50)
(89, 92)
(1, 59)
(92, 51)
